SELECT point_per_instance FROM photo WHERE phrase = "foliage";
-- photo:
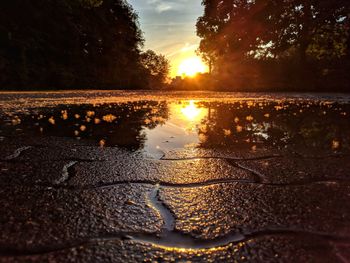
(307, 31)
(328, 43)
(91, 3)
(157, 66)
(70, 44)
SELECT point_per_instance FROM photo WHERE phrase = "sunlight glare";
(191, 111)
(192, 66)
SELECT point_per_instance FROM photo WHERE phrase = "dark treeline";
(277, 44)
(249, 44)
(74, 44)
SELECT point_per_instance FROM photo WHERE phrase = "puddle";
(157, 126)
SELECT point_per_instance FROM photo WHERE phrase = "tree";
(240, 26)
(157, 66)
(91, 3)
(235, 31)
(70, 44)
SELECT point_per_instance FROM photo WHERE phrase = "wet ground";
(140, 176)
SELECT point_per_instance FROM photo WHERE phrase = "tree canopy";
(71, 44)
(306, 31)
(157, 66)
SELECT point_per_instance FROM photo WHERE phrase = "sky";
(169, 27)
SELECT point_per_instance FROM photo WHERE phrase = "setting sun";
(191, 66)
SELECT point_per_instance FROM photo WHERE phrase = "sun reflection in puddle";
(191, 112)
(180, 130)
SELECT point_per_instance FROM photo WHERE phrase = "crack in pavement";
(169, 237)
(212, 183)
(67, 173)
(187, 185)
(17, 153)
(13, 252)
(174, 240)
(259, 179)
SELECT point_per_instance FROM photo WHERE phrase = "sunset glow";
(191, 112)
(191, 66)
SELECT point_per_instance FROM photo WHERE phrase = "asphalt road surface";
(115, 177)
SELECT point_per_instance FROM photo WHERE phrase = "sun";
(191, 66)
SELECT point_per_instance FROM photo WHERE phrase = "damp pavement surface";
(174, 177)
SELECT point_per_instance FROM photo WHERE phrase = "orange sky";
(169, 28)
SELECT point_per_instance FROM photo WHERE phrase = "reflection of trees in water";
(114, 124)
(240, 125)
(277, 125)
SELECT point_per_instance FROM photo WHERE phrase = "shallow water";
(155, 123)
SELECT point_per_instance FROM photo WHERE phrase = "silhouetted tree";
(70, 44)
(91, 3)
(305, 31)
(157, 66)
